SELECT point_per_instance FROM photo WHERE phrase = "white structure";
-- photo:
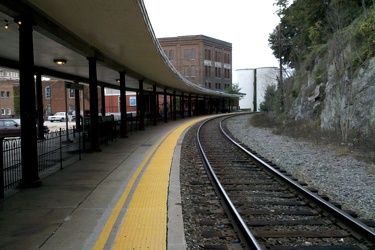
(253, 82)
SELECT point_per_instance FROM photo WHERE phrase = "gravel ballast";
(342, 178)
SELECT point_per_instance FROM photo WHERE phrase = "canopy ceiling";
(117, 32)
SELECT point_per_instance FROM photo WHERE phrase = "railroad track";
(267, 208)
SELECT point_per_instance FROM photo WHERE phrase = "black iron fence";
(58, 146)
(55, 148)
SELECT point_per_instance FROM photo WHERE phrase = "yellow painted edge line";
(103, 237)
(102, 240)
(144, 224)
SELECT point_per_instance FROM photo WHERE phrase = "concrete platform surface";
(74, 205)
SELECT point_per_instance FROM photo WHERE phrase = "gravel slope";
(341, 177)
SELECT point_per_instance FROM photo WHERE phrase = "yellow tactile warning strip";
(144, 225)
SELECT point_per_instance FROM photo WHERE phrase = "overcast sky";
(244, 23)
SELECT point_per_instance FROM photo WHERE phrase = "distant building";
(9, 86)
(58, 98)
(52, 92)
(253, 82)
(202, 60)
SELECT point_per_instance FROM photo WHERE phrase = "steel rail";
(245, 235)
(352, 224)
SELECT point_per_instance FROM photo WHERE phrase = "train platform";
(125, 197)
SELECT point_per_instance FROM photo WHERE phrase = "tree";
(308, 23)
(270, 102)
(234, 88)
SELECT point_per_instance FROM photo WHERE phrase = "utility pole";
(281, 84)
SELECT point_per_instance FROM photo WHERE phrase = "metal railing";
(55, 148)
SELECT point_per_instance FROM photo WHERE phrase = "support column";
(155, 105)
(196, 105)
(102, 94)
(39, 101)
(123, 111)
(217, 105)
(210, 105)
(94, 118)
(204, 105)
(29, 154)
(165, 107)
(229, 105)
(189, 105)
(174, 105)
(77, 105)
(182, 105)
(141, 104)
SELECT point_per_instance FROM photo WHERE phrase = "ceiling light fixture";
(117, 80)
(59, 61)
(6, 25)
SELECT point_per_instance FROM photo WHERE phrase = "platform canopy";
(116, 32)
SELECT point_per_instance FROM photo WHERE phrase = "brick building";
(52, 92)
(8, 88)
(202, 60)
(54, 98)
(9, 94)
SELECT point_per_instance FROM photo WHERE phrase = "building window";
(207, 54)
(48, 92)
(192, 68)
(186, 71)
(171, 55)
(2, 94)
(48, 110)
(186, 54)
(8, 94)
(72, 107)
(2, 111)
(217, 56)
(9, 111)
(192, 54)
(71, 93)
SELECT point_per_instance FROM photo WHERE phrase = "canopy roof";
(117, 32)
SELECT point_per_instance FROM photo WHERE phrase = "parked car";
(45, 129)
(59, 116)
(10, 127)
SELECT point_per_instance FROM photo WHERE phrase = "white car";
(59, 116)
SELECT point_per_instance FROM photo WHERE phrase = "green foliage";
(270, 102)
(364, 36)
(306, 23)
(320, 73)
(234, 88)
